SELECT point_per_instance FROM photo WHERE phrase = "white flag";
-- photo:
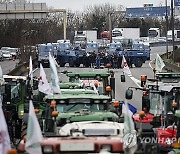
(31, 70)
(159, 63)
(130, 137)
(4, 135)
(94, 87)
(55, 62)
(34, 135)
(54, 76)
(125, 66)
(44, 86)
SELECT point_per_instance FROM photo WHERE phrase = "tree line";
(18, 33)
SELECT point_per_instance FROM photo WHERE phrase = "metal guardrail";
(156, 44)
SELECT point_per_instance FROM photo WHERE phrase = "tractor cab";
(104, 82)
(14, 93)
(75, 107)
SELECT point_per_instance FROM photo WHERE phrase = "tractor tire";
(138, 62)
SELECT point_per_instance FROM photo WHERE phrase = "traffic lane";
(160, 50)
(120, 87)
(8, 65)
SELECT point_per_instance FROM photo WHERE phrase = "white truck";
(154, 33)
(82, 37)
(176, 35)
(125, 33)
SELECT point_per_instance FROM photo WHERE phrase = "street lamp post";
(166, 30)
(110, 27)
(172, 27)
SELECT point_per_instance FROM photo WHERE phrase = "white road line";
(35, 70)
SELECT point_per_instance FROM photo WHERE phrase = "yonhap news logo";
(160, 140)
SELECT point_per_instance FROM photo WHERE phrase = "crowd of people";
(102, 59)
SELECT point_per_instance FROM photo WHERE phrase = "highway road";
(121, 87)
(8, 65)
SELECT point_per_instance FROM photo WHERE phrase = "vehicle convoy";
(160, 99)
(82, 37)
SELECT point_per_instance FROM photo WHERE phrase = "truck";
(82, 37)
(176, 35)
(120, 33)
(43, 53)
(154, 33)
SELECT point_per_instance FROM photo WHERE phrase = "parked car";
(13, 52)
(6, 54)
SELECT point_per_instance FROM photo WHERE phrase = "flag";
(54, 76)
(44, 86)
(159, 63)
(34, 135)
(4, 135)
(94, 88)
(130, 137)
(31, 71)
(55, 62)
(1, 76)
(125, 66)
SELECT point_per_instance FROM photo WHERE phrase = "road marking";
(35, 70)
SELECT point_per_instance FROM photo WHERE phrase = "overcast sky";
(80, 5)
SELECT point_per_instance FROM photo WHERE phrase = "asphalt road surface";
(8, 65)
(121, 87)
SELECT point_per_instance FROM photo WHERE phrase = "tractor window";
(78, 106)
(155, 103)
(15, 91)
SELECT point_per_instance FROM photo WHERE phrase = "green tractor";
(103, 81)
(74, 107)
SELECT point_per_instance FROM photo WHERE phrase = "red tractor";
(157, 122)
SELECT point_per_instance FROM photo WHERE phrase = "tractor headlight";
(47, 149)
(106, 147)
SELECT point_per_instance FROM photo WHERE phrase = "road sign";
(141, 12)
(176, 2)
(177, 11)
(23, 10)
